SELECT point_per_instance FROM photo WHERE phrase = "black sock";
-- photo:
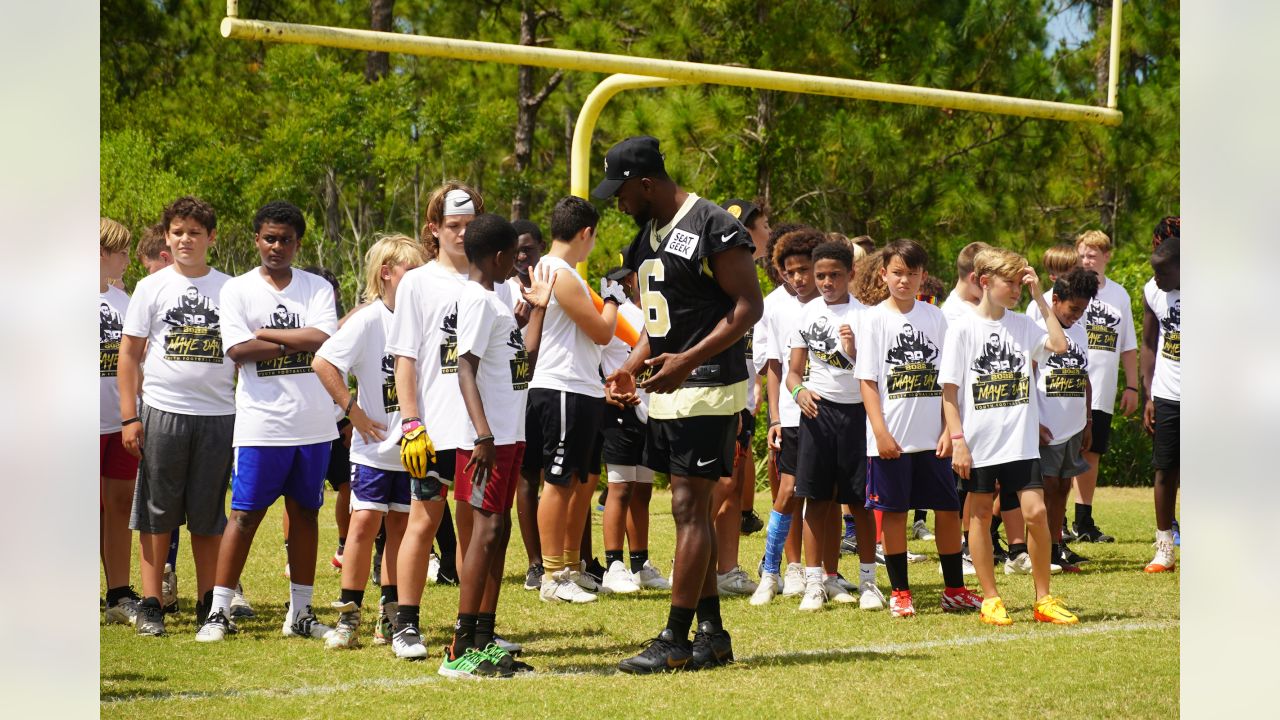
(709, 610)
(896, 564)
(464, 634)
(920, 516)
(116, 594)
(484, 629)
(1055, 553)
(679, 620)
(610, 557)
(406, 615)
(342, 545)
(1016, 548)
(638, 559)
(746, 513)
(355, 596)
(996, 522)
(390, 594)
(151, 602)
(1084, 515)
(380, 542)
(208, 603)
(448, 543)
(952, 570)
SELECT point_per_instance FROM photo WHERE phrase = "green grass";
(1122, 660)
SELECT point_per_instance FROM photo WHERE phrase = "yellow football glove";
(416, 451)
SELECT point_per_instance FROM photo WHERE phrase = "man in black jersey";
(700, 296)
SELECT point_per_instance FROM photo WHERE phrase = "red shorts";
(114, 461)
(498, 492)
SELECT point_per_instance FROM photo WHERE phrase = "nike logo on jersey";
(727, 238)
(704, 463)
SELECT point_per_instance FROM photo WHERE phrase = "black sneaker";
(661, 654)
(1072, 556)
(150, 618)
(447, 576)
(533, 577)
(849, 545)
(1092, 533)
(712, 647)
(751, 522)
(998, 553)
(595, 571)
(1067, 534)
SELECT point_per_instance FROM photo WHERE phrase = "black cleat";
(1067, 534)
(1072, 556)
(661, 654)
(595, 571)
(751, 522)
(1091, 533)
(712, 647)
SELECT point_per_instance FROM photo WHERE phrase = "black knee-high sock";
(920, 516)
(447, 541)
(896, 564)
(380, 542)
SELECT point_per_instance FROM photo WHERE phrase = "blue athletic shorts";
(260, 475)
(913, 481)
(381, 490)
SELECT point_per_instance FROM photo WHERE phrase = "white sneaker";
(618, 579)
(304, 625)
(815, 596)
(586, 582)
(1019, 564)
(914, 558)
(124, 612)
(967, 564)
(766, 590)
(844, 583)
(214, 629)
(407, 644)
(735, 582)
(567, 590)
(793, 580)
(920, 531)
(345, 633)
(870, 596)
(650, 579)
(169, 588)
(550, 583)
(239, 605)
(1164, 560)
(433, 569)
(837, 593)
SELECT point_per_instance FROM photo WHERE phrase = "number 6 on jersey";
(657, 316)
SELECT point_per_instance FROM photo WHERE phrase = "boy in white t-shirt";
(118, 468)
(1162, 380)
(987, 356)
(274, 318)
(907, 444)
(379, 484)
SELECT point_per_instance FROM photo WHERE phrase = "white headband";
(458, 202)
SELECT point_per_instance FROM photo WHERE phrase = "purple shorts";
(260, 475)
(381, 490)
(914, 481)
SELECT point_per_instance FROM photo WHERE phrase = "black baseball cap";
(618, 274)
(631, 158)
(741, 210)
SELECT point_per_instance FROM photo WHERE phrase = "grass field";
(1121, 660)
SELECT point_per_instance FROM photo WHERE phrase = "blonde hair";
(112, 236)
(1094, 240)
(867, 286)
(152, 242)
(999, 262)
(1060, 259)
(391, 251)
(435, 213)
(858, 251)
(964, 261)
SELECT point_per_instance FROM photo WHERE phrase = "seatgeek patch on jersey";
(682, 243)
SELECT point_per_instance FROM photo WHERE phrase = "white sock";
(866, 572)
(813, 575)
(299, 598)
(221, 600)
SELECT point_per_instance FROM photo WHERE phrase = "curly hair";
(280, 212)
(189, 206)
(1078, 284)
(800, 241)
(1168, 227)
(867, 286)
(774, 235)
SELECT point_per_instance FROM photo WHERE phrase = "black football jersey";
(681, 300)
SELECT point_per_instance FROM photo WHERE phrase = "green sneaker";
(505, 661)
(471, 664)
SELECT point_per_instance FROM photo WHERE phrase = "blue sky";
(1071, 25)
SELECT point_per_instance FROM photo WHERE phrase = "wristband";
(130, 421)
(409, 424)
(614, 300)
(483, 438)
(797, 390)
(775, 423)
(350, 404)
(958, 437)
(1130, 387)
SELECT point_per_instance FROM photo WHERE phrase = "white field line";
(995, 636)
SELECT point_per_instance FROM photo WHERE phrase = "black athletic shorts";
(701, 446)
(339, 471)
(747, 429)
(624, 437)
(560, 432)
(440, 474)
(1101, 432)
(1165, 446)
(790, 449)
(832, 462)
(1010, 477)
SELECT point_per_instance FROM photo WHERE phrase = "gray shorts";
(1064, 460)
(182, 478)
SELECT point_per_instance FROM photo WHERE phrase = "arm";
(1129, 398)
(407, 386)
(1150, 337)
(576, 303)
(1057, 340)
(772, 389)
(620, 386)
(961, 461)
(536, 297)
(795, 379)
(483, 454)
(887, 446)
(306, 339)
(331, 379)
(1087, 440)
(129, 381)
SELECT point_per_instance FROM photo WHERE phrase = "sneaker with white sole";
(959, 600)
(385, 628)
(920, 531)
(836, 592)
(346, 633)
(304, 624)
(880, 555)
(914, 558)
(240, 607)
(547, 590)
(967, 565)
(844, 583)
(169, 589)
(1019, 564)
(564, 589)
(793, 580)
(618, 579)
(1164, 560)
(407, 644)
(533, 577)
(123, 611)
(735, 582)
(900, 604)
(336, 561)
(150, 618)
(433, 568)
(584, 580)
(508, 646)
(215, 628)
(650, 579)
(870, 597)
(767, 589)
(815, 596)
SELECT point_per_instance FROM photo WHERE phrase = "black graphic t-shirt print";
(1066, 376)
(1102, 324)
(1171, 323)
(521, 369)
(110, 327)
(390, 398)
(293, 363)
(1000, 381)
(449, 345)
(913, 370)
(824, 342)
(194, 329)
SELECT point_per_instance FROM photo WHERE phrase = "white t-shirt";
(186, 370)
(1108, 324)
(830, 370)
(279, 402)
(425, 328)
(113, 307)
(616, 352)
(955, 307)
(902, 354)
(1166, 381)
(359, 348)
(990, 362)
(1060, 385)
(487, 329)
(568, 360)
(782, 316)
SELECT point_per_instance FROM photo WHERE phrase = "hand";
(1086, 441)
(961, 461)
(806, 399)
(344, 432)
(1046, 436)
(612, 290)
(522, 310)
(620, 389)
(483, 458)
(774, 436)
(944, 444)
(538, 294)
(370, 431)
(1032, 280)
(846, 340)
(1149, 417)
(131, 438)
(1128, 401)
(672, 370)
(887, 446)
(416, 451)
